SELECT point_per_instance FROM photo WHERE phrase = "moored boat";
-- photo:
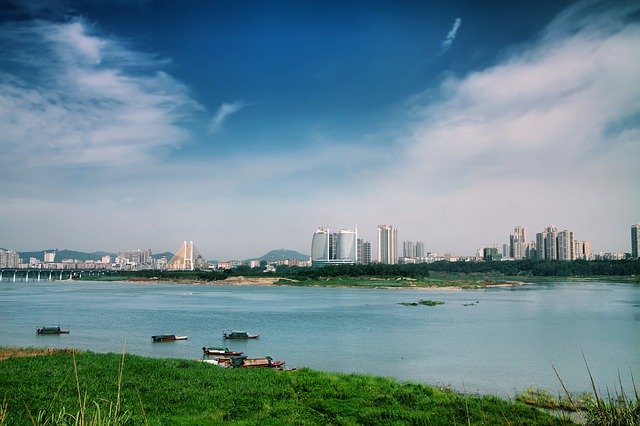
(265, 362)
(168, 338)
(220, 351)
(239, 335)
(48, 329)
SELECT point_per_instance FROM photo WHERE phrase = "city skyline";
(242, 127)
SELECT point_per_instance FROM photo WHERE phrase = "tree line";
(539, 268)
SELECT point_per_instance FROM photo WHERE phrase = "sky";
(245, 125)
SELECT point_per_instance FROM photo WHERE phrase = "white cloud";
(225, 110)
(72, 97)
(448, 41)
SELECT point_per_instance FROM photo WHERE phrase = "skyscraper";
(408, 249)
(566, 247)
(635, 241)
(518, 243)
(334, 247)
(547, 244)
(421, 252)
(320, 246)
(387, 244)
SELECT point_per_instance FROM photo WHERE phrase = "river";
(490, 341)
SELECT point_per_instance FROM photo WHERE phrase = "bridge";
(36, 275)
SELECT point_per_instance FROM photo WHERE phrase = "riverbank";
(437, 283)
(56, 384)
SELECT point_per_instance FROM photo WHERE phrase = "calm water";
(502, 344)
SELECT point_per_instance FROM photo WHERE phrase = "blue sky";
(245, 125)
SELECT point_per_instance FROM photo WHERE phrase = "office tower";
(518, 243)
(387, 244)
(334, 247)
(320, 246)
(635, 241)
(346, 246)
(408, 249)
(547, 244)
(421, 251)
(565, 245)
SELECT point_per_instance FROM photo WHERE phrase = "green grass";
(131, 389)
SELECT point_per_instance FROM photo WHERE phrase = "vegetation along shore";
(68, 387)
(462, 275)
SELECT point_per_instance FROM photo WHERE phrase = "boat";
(220, 351)
(48, 329)
(265, 362)
(168, 338)
(239, 335)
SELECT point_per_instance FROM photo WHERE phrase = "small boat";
(265, 362)
(220, 351)
(168, 338)
(239, 335)
(51, 330)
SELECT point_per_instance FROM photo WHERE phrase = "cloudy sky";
(245, 125)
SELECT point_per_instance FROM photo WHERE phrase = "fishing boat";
(265, 362)
(55, 329)
(168, 338)
(220, 351)
(239, 335)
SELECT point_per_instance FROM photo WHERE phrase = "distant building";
(565, 245)
(421, 251)
(387, 244)
(546, 243)
(408, 249)
(49, 256)
(9, 259)
(518, 243)
(635, 241)
(334, 247)
(364, 252)
(490, 254)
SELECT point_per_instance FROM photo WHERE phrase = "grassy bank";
(138, 390)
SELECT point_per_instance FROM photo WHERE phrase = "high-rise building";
(346, 246)
(566, 245)
(387, 244)
(408, 249)
(366, 253)
(582, 250)
(334, 247)
(320, 246)
(518, 243)
(421, 251)
(635, 241)
(547, 244)
(9, 259)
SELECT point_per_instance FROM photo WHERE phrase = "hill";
(283, 254)
(66, 254)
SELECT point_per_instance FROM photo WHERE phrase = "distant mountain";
(80, 255)
(283, 254)
(65, 254)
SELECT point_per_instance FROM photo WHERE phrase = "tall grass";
(616, 409)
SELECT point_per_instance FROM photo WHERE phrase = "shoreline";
(277, 281)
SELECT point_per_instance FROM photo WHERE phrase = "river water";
(491, 341)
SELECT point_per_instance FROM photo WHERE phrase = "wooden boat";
(46, 329)
(244, 362)
(220, 351)
(239, 335)
(168, 338)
